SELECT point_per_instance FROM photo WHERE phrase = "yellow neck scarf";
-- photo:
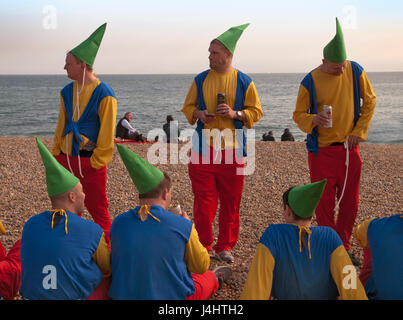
(62, 213)
(146, 210)
(308, 232)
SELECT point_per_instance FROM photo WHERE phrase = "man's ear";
(71, 196)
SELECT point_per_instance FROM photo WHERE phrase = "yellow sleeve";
(197, 257)
(190, 104)
(345, 276)
(367, 109)
(301, 115)
(102, 257)
(260, 277)
(61, 124)
(360, 233)
(252, 107)
(104, 150)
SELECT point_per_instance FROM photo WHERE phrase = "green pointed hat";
(304, 199)
(144, 175)
(230, 37)
(58, 179)
(88, 49)
(335, 50)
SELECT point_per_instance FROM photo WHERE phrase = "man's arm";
(301, 115)
(367, 109)
(104, 150)
(345, 276)
(102, 257)
(260, 277)
(196, 256)
(61, 124)
(252, 112)
(128, 126)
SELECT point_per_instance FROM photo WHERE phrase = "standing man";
(83, 140)
(333, 151)
(216, 159)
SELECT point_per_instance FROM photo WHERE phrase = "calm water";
(29, 104)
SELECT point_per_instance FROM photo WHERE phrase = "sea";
(29, 104)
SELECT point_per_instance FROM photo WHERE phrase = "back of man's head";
(165, 184)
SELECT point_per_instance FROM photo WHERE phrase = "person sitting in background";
(268, 136)
(10, 269)
(157, 254)
(124, 130)
(296, 261)
(382, 270)
(63, 256)
(287, 135)
(171, 126)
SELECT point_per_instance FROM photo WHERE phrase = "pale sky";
(172, 36)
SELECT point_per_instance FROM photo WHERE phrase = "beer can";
(220, 98)
(177, 210)
(327, 110)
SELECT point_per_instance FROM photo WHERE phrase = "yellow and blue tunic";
(241, 94)
(153, 259)
(344, 93)
(283, 269)
(74, 248)
(95, 122)
(385, 239)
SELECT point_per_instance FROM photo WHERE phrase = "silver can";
(327, 111)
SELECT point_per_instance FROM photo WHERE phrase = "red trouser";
(10, 271)
(94, 187)
(212, 182)
(206, 285)
(330, 164)
(366, 266)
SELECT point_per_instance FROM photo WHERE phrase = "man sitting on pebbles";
(296, 261)
(63, 256)
(157, 254)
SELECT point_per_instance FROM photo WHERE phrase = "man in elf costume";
(333, 142)
(382, 271)
(63, 256)
(219, 143)
(10, 269)
(296, 261)
(83, 140)
(156, 254)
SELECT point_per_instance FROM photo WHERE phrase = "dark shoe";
(354, 259)
(223, 274)
(225, 256)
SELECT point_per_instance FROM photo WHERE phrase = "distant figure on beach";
(156, 254)
(63, 256)
(333, 138)
(124, 129)
(171, 126)
(10, 269)
(295, 261)
(268, 136)
(382, 270)
(83, 140)
(287, 135)
(213, 178)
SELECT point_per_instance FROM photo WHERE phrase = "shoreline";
(278, 165)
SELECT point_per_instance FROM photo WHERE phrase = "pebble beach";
(278, 165)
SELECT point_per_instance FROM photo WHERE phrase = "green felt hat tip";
(58, 179)
(88, 49)
(335, 50)
(303, 199)
(230, 37)
(144, 175)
